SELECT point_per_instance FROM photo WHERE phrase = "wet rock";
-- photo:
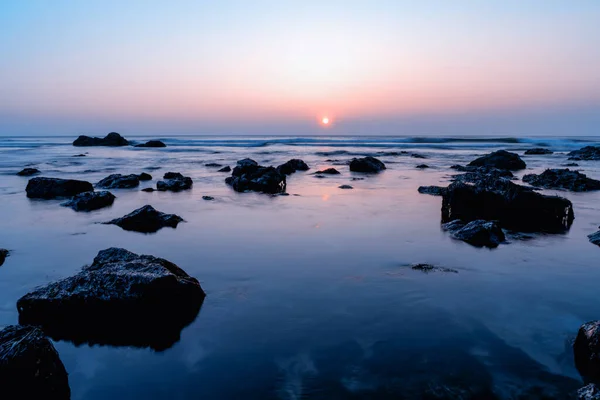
(292, 166)
(586, 153)
(225, 169)
(586, 350)
(249, 176)
(118, 181)
(415, 155)
(476, 174)
(146, 220)
(345, 187)
(121, 299)
(514, 207)
(589, 392)
(427, 268)
(3, 254)
(28, 172)
(152, 143)
(538, 151)
(144, 177)
(478, 233)
(422, 166)
(213, 165)
(595, 238)
(113, 139)
(328, 171)
(174, 182)
(246, 163)
(207, 198)
(500, 159)
(148, 190)
(432, 190)
(562, 179)
(366, 164)
(52, 188)
(89, 201)
(30, 367)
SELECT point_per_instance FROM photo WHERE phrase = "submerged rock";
(213, 165)
(432, 190)
(152, 143)
(3, 254)
(589, 392)
(144, 177)
(345, 187)
(538, 151)
(89, 201)
(478, 233)
(30, 367)
(585, 153)
(500, 159)
(118, 181)
(225, 169)
(422, 166)
(113, 139)
(52, 188)
(174, 182)
(562, 179)
(427, 268)
(28, 172)
(292, 166)
(328, 171)
(121, 299)
(595, 238)
(366, 164)
(586, 350)
(249, 176)
(146, 220)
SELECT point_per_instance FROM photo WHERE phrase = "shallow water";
(311, 295)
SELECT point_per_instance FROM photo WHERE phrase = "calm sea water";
(311, 296)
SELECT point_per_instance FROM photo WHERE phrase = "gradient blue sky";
(529, 67)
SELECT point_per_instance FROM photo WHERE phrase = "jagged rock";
(345, 187)
(422, 166)
(476, 174)
(292, 166)
(249, 176)
(213, 165)
(328, 171)
(52, 188)
(595, 238)
(562, 179)
(3, 254)
(585, 153)
(432, 190)
(112, 139)
(427, 268)
(28, 172)
(208, 198)
(121, 299)
(500, 159)
(225, 169)
(589, 392)
(144, 177)
(118, 181)
(30, 367)
(586, 350)
(174, 182)
(479, 233)
(146, 220)
(89, 201)
(152, 143)
(538, 151)
(366, 164)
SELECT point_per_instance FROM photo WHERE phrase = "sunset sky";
(528, 67)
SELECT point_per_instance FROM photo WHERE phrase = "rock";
(213, 165)
(152, 143)
(345, 187)
(121, 299)
(427, 268)
(89, 201)
(500, 159)
(415, 155)
(589, 392)
(52, 188)
(586, 153)
(513, 206)
(562, 179)
(28, 172)
(422, 166)
(144, 177)
(586, 350)
(328, 171)
(118, 181)
(366, 164)
(112, 139)
(80, 155)
(249, 176)
(573, 164)
(538, 151)
(595, 238)
(146, 220)
(149, 190)
(30, 367)
(208, 198)
(174, 182)
(479, 233)
(246, 163)
(3, 254)
(292, 166)
(225, 169)
(432, 190)
(476, 174)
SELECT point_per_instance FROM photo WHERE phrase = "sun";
(325, 120)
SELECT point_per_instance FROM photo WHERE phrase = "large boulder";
(249, 176)
(478, 233)
(3, 255)
(174, 182)
(151, 143)
(538, 151)
(28, 172)
(113, 139)
(366, 164)
(585, 153)
(30, 367)
(90, 201)
(500, 159)
(562, 179)
(595, 238)
(118, 181)
(586, 350)
(146, 220)
(52, 188)
(121, 299)
(292, 166)
(512, 206)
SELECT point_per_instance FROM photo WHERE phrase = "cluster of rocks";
(586, 153)
(113, 139)
(249, 176)
(562, 179)
(174, 182)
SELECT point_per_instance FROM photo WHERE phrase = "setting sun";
(325, 120)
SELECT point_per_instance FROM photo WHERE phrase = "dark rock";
(121, 299)
(415, 155)
(479, 233)
(152, 143)
(80, 155)
(208, 198)
(366, 164)
(118, 181)
(112, 139)
(514, 207)
(458, 167)
(476, 174)
(328, 171)
(52, 188)
(427, 268)
(538, 151)
(246, 163)
(562, 179)
(422, 166)
(30, 367)
(149, 190)
(249, 176)
(292, 166)
(144, 177)
(500, 159)
(28, 172)
(345, 187)
(586, 153)
(213, 165)
(147, 220)
(595, 238)
(225, 169)
(174, 182)
(89, 201)
(589, 392)
(586, 350)
(432, 190)
(357, 179)
(3, 254)
(573, 164)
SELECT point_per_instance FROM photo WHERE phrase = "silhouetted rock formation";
(89, 201)
(146, 220)
(118, 181)
(249, 176)
(144, 177)
(292, 166)
(500, 159)
(113, 139)
(562, 179)
(586, 153)
(174, 182)
(52, 188)
(28, 172)
(151, 143)
(366, 164)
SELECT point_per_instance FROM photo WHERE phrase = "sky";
(373, 67)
